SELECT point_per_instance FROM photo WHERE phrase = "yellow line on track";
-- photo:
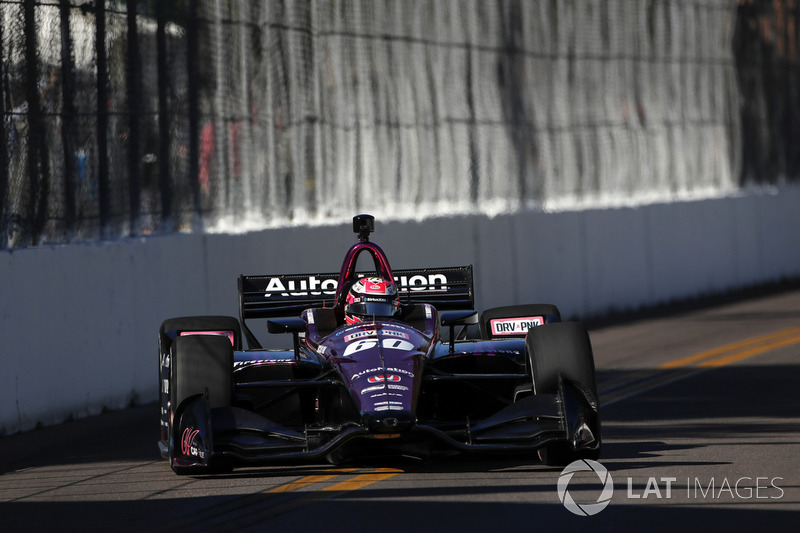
(309, 480)
(722, 361)
(691, 365)
(730, 348)
(364, 479)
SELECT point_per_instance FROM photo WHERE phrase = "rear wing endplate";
(448, 288)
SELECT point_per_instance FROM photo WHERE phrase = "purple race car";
(383, 363)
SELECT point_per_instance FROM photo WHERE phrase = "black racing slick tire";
(201, 363)
(562, 349)
(176, 326)
(172, 329)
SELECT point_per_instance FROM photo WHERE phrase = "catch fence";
(148, 116)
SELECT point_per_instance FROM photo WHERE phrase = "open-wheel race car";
(383, 363)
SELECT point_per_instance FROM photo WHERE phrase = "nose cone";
(388, 421)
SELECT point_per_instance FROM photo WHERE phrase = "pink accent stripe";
(222, 333)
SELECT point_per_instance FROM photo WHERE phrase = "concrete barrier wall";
(79, 322)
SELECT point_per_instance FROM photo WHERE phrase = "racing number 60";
(365, 344)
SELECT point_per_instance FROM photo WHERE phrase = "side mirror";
(459, 318)
(286, 325)
(295, 326)
(452, 319)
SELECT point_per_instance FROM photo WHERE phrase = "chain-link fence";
(198, 113)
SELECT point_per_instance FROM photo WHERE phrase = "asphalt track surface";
(701, 422)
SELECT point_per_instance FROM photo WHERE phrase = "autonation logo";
(664, 488)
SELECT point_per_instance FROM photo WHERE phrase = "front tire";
(199, 363)
(172, 329)
(559, 350)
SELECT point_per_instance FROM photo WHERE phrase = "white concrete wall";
(79, 322)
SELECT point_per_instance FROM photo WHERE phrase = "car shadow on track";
(738, 404)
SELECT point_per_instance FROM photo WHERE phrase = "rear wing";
(448, 288)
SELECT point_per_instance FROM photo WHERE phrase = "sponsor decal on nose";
(381, 378)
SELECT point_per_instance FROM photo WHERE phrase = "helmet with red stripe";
(371, 298)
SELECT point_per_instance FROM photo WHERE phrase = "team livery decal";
(375, 286)
(303, 287)
(228, 334)
(314, 286)
(393, 333)
(360, 335)
(380, 378)
(514, 326)
(387, 344)
(391, 386)
(385, 330)
(378, 369)
(255, 362)
(388, 406)
(187, 442)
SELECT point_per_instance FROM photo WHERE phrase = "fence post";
(194, 112)
(102, 116)
(134, 111)
(165, 183)
(67, 118)
(3, 155)
(33, 222)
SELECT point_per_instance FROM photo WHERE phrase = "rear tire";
(562, 349)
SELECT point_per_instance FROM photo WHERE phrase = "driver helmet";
(370, 298)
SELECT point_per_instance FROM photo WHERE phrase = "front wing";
(202, 438)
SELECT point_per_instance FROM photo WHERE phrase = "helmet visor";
(370, 309)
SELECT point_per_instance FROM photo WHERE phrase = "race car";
(384, 363)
